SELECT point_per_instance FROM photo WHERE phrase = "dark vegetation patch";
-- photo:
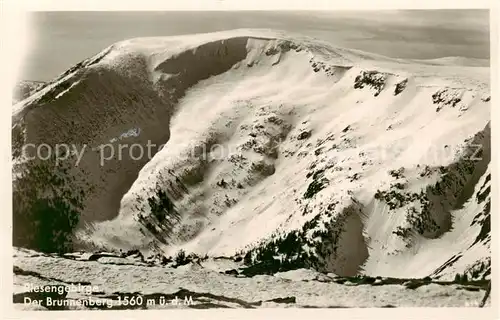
(428, 171)
(303, 248)
(482, 195)
(264, 259)
(488, 179)
(314, 187)
(164, 215)
(373, 79)
(441, 196)
(319, 183)
(47, 201)
(354, 177)
(444, 98)
(399, 173)
(304, 135)
(181, 258)
(221, 183)
(423, 221)
(404, 233)
(283, 47)
(484, 220)
(396, 198)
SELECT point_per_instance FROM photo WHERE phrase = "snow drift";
(280, 149)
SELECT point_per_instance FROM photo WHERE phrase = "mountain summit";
(281, 150)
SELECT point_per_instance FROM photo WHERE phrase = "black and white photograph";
(309, 159)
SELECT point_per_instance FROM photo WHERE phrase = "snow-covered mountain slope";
(279, 148)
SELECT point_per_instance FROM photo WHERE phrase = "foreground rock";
(96, 284)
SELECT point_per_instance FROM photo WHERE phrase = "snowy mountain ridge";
(283, 150)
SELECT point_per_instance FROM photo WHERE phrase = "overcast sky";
(62, 39)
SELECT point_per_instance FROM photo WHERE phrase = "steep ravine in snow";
(284, 151)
